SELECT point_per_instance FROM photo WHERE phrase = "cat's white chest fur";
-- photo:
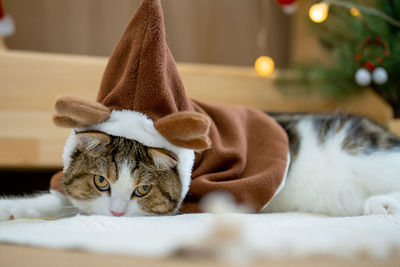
(325, 178)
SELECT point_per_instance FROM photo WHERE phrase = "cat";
(341, 165)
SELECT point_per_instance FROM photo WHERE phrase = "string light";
(264, 66)
(355, 12)
(318, 12)
(362, 9)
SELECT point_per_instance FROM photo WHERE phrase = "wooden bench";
(30, 82)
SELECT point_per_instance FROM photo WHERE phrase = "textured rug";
(231, 236)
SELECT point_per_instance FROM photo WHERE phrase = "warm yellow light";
(355, 12)
(319, 12)
(264, 66)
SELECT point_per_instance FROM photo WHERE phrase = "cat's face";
(116, 176)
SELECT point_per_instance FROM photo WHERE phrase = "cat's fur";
(341, 165)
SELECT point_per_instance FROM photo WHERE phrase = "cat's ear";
(163, 158)
(77, 113)
(92, 142)
(186, 129)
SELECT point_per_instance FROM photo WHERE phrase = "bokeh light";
(319, 12)
(264, 66)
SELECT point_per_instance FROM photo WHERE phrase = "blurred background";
(273, 55)
(201, 31)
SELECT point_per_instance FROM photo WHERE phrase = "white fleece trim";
(69, 148)
(282, 185)
(6, 26)
(137, 126)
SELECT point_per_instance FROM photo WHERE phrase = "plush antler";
(185, 129)
(77, 113)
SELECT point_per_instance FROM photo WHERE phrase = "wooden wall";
(204, 31)
(304, 45)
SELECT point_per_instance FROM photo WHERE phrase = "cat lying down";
(145, 148)
(341, 165)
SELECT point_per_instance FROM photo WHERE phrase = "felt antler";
(77, 113)
(185, 129)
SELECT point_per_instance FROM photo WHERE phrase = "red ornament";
(285, 2)
(368, 65)
(1, 11)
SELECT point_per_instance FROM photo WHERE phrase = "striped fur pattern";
(342, 165)
(126, 164)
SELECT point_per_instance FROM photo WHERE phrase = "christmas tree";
(364, 37)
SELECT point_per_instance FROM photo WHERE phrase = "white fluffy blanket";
(270, 235)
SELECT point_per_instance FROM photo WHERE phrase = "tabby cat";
(341, 165)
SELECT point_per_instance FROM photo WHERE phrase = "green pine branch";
(342, 33)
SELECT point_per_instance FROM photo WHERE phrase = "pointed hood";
(141, 74)
(141, 97)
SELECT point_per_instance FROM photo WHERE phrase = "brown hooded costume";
(233, 149)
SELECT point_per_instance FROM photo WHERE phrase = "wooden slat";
(394, 126)
(30, 82)
(2, 44)
(34, 80)
(41, 257)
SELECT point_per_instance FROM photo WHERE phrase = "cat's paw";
(382, 205)
(14, 209)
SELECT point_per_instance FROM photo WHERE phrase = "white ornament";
(363, 77)
(379, 75)
(7, 26)
(290, 9)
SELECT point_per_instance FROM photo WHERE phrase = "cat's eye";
(101, 183)
(142, 190)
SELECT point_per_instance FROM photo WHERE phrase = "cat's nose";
(118, 214)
